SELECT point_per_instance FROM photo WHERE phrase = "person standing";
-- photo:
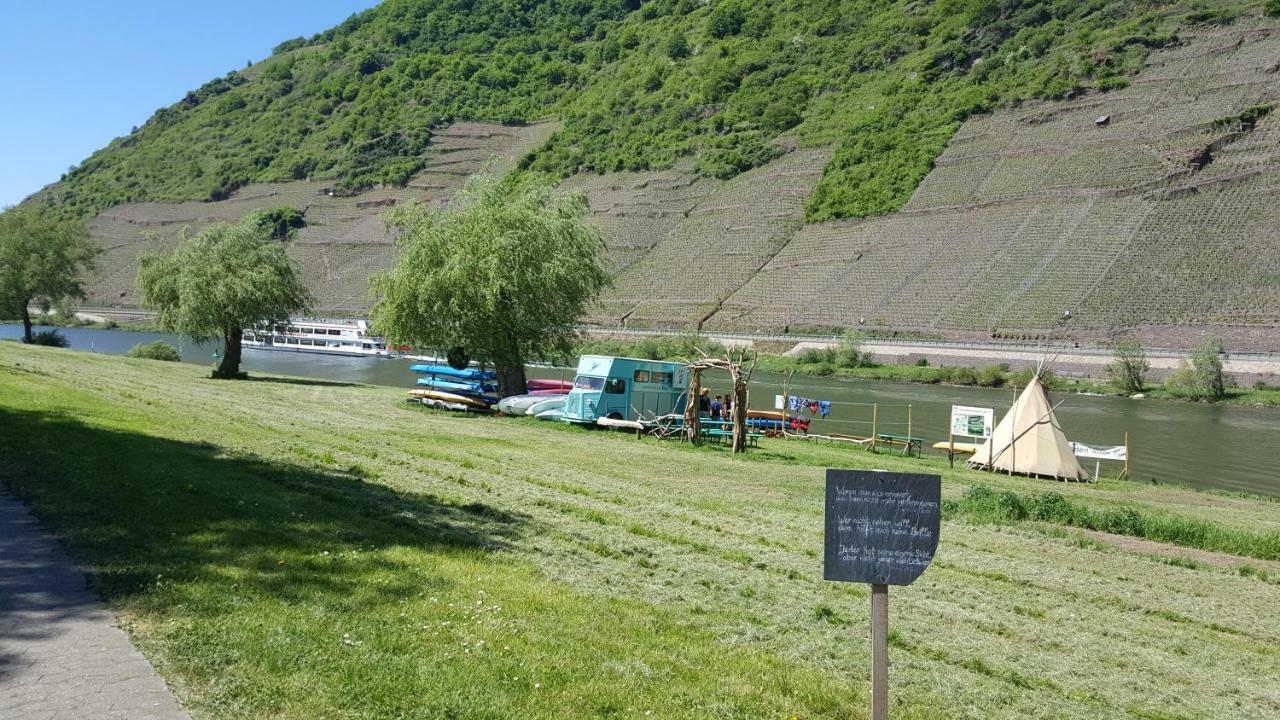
(716, 407)
(704, 403)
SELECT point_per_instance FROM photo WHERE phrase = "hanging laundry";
(815, 407)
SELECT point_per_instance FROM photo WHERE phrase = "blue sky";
(74, 75)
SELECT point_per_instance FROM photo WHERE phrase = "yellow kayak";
(448, 397)
(967, 448)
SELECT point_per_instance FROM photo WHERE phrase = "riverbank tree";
(1128, 370)
(219, 282)
(505, 273)
(1203, 378)
(42, 255)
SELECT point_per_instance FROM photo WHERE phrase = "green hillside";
(725, 86)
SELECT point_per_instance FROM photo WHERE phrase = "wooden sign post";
(881, 529)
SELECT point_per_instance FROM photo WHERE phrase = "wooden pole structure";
(908, 427)
(875, 412)
(951, 449)
(879, 652)
(1125, 474)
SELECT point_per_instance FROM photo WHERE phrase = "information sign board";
(881, 527)
(972, 421)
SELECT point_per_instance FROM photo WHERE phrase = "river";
(1208, 446)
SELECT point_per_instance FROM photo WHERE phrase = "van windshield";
(586, 382)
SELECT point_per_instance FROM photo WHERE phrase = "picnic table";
(723, 430)
(907, 443)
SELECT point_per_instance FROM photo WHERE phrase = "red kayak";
(536, 385)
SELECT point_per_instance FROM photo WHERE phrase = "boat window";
(662, 378)
(586, 382)
(615, 385)
(641, 376)
(365, 346)
(293, 341)
(335, 331)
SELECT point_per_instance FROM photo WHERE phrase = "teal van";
(625, 389)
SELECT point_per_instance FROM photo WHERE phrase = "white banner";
(1118, 452)
(972, 421)
(779, 402)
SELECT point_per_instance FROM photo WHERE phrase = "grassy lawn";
(286, 548)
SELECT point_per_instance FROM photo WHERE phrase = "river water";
(1208, 446)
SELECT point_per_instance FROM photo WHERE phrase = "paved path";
(61, 655)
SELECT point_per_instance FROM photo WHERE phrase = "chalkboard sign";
(882, 528)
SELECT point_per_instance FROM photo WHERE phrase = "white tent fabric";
(1029, 441)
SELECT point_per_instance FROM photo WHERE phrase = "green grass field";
(292, 548)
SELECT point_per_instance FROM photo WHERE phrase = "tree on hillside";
(505, 273)
(42, 254)
(1130, 366)
(223, 280)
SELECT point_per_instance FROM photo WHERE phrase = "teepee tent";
(1029, 440)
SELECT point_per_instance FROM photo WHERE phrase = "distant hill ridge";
(718, 143)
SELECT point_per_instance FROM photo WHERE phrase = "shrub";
(848, 352)
(1202, 378)
(50, 338)
(158, 350)
(1272, 8)
(677, 46)
(990, 376)
(824, 370)
(922, 362)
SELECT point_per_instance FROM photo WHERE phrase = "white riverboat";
(331, 337)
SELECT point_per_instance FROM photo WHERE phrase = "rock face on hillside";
(1039, 220)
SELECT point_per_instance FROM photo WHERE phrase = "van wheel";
(615, 416)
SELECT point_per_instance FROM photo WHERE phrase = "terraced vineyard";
(344, 239)
(1162, 217)
(1165, 214)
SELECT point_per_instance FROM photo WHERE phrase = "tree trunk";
(510, 369)
(229, 368)
(26, 324)
(739, 414)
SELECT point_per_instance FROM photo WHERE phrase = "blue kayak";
(446, 371)
(458, 386)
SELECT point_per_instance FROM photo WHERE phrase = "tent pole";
(1013, 434)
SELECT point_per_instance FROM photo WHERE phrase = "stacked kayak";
(544, 407)
(538, 386)
(445, 387)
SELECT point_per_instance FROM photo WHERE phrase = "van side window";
(662, 378)
(641, 376)
(615, 385)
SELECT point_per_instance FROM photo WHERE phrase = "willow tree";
(505, 272)
(42, 254)
(219, 282)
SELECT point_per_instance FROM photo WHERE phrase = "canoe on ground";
(429, 397)
(518, 404)
(445, 370)
(557, 414)
(766, 414)
(548, 402)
